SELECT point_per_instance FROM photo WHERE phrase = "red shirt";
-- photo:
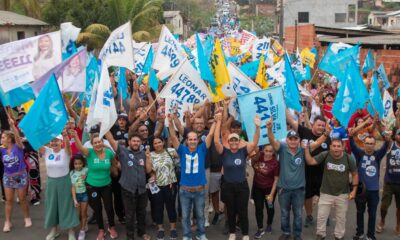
(74, 148)
(328, 111)
(265, 172)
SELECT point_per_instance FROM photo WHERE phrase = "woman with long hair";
(98, 182)
(266, 173)
(162, 166)
(59, 207)
(15, 178)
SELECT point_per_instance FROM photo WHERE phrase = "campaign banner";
(260, 47)
(186, 86)
(267, 103)
(169, 55)
(178, 107)
(140, 52)
(26, 60)
(118, 51)
(70, 74)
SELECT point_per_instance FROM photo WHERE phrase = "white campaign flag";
(275, 73)
(90, 121)
(388, 115)
(140, 51)
(104, 109)
(186, 86)
(175, 106)
(169, 55)
(260, 47)
(27, 60)
(68, 33)
(240, 84)
(118, 51)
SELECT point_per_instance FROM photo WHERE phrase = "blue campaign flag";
(369, 63)
(291, 92)
(153, 81)
(314, 50)
(17, 96)
(336, 59)
(375, 99)
(92, 75)
(122, 85)
(48, 114)
(205, 70)
(148, 62)
(208, 46)
(352, 95)
(382, 77)
(250, 69)
(267, 103)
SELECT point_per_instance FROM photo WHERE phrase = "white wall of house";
(14, 33)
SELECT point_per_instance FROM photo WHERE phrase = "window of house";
(352, 13)
(340, 17)
(20, 35)
(303, 17)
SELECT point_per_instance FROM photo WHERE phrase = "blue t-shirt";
(234, 165)
(193, 171)
(368, 165)
(339, 132)
(292, 168)
(392, 175)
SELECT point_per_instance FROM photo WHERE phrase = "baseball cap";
(233, 135)
(59, 137)
(123, 115)
(292, 133)
(94, 129)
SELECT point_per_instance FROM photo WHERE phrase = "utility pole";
(281, 21)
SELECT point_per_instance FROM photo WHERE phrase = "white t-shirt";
(57, 164)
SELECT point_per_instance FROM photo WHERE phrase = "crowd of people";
(203, 162)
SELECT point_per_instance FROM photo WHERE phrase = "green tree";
(262, 25)
(30, 8)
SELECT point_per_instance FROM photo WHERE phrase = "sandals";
(379, 228)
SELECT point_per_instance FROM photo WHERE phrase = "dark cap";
(94, 129)
(236, 124)
(292, 133)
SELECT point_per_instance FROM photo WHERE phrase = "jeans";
(291, 199)
(370, 199)
(165, 197)
(259, 195)
(135, 210)
(96, 194)
(188, 199)
(237, 199)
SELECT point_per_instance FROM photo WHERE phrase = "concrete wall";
(321, 12)
(9, 34)
(177, 22)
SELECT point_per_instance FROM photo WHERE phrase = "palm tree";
(94, 36)
(31, 8)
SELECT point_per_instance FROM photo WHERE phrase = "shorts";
(215, 182)
(313, 186)
(82, 197)
(16, 180)
(389, 190)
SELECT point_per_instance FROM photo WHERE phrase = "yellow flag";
(307, 57)
(235, 47)
(27, 105)
(277, 48)
(261, 79)
(245, 57)
(220, 72)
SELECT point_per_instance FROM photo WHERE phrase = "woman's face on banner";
(75, 62)
(44, 43)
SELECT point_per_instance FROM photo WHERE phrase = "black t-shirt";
(306, 133)
(120, 134)
(213, 159)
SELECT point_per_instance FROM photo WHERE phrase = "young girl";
(79, 194)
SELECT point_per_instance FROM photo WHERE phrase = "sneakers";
(284, 237)
(28, 222)
(160, 235)
(202, 237)
(215, 218)
(100, 235)
(232, 236)
(308, 221)
(259, 234)
(210, 208)
(81, 235)
(53, 234)
(358, 237)
(71, 235)
(7, 227)
(246, 237)
(268, 229)
(370, 238)
(113, 232)
(35, 202)
(207, 223)
(173, 235)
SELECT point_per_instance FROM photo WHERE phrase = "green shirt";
(99, 169)
(78, 179)
(335, 180)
